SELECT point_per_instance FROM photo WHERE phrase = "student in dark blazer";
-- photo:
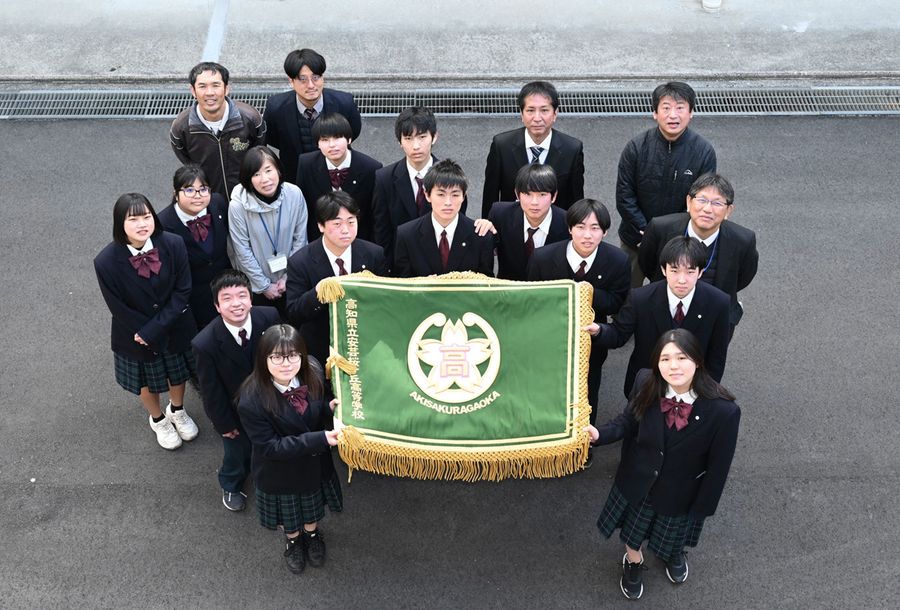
(224, 354)
(336, 252)
(537, 142)
(529, 223)
(290, 116)
(335, 167)
(145, 279)
(679, 301)
(445, 240)
(733, 258)
(679, 434)
(200, 218)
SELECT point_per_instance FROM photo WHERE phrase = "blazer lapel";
(403, 188)
(142, 284)
(359, 262)
(697, 422)
(554, 153)
(561, 268)
(518, 231)
(693, 317)
(230, 348)
(292, 116)
(520, 157)
(322, 178)
(725, 258)
(460, 246)
(429, 245)
(661, 313)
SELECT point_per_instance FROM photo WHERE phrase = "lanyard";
(277, 230)
(712, 254)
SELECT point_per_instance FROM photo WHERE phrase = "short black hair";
(253, 160)
(446, 173)
(208, 66)
(329, 205)
(332, 125)
(229, 278)
(296, 59)
(678, 91)
(583, 208)
(132, 204)
(185, 177)
(536, 178)
(683, 250)
(716, 181)
(417, 119)
(539, 87)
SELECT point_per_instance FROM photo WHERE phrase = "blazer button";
(656, 473)
(155, 306)
(661, 453)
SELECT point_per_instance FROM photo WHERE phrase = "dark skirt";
(291, 511)
(155, 375)
(667, 535)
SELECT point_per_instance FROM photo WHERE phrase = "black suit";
(509, 220)
(508, 155)
(306, 268)
(204, 266)
(314, 181)
(646, 315)
(417, 254)
(735, 251)
(282, 131)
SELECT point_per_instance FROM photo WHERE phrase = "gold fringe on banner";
(330, 290)
(344, 365)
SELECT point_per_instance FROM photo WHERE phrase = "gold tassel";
(330, 290)
(344, 365)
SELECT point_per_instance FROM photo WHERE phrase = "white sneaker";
(166, 435)
(183, 423)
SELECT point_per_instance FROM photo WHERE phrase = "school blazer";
(688, 475)
(222, 366)
(417, 253)
(156, 309)
(509, 221)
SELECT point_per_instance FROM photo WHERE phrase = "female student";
(678, 435)
(200, 218)
(146, 282)
(286, 415)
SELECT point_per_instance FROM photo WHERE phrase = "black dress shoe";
(293, 554)
(315, 548)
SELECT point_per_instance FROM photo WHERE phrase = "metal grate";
(150, 104)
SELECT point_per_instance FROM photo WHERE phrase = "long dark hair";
(655, 386)
(283, 339)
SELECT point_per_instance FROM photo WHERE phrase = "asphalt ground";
(94, 514)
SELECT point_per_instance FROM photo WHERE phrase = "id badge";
(277, 263)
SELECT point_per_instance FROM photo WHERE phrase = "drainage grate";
(149, 104)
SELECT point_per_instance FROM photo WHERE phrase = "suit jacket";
(685, 475)
(306, 268)
(736, 255)
(507, 156)
(509, 220)
(222, 366)
(645, 315)
(314, 181)
(417, 254)
(156, 308)
(281, 116)
(204, 267)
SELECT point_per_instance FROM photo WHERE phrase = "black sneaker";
(293, 554)
(632, 582)
(234, 500)
(677, 569)
(315, 548)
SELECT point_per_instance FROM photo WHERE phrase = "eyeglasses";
(718, 205)
(315, 78)
(279, 359)
(190, 191)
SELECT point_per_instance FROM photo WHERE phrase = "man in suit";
(445, 240)
(336, 252)
(334, 167)
(679, 301)
(537, 142)
(657, 167)
(733, 258)
(290, 116)
(529, 223)
(224, 354)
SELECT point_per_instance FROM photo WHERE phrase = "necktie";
(679, 314)
(297, 398)
(242, 334)
(340, 264)
(579, 275)
(146, 263)
(529, 243)
(337, 177)
(310, 114)
(199, 227)
(536, 154)
(420, 195)
(444, 249)
(676, 412)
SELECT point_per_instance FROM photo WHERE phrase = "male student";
(657, 167)
(444, 240)
(731, 249)
(215, 132)
(224, 353)
(528, 223)
(536, 142)
(336, 252)
(290, 116)
(678, 301)
(334, 167)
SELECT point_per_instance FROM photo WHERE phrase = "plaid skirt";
(155, 375)
(667, 535)
(291, 511)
